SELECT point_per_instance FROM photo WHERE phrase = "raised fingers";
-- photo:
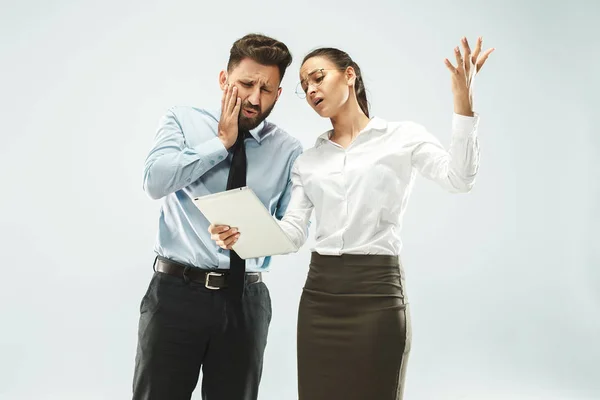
(450, 66)
(484, 57)
(477, 50)
(459, 58)
(467, 57)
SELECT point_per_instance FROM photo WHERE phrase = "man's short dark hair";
(262, 49)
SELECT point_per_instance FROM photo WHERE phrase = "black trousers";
(184, 327)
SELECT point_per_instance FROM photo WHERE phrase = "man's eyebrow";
(253, 81)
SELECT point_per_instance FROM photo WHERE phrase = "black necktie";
(237, 179)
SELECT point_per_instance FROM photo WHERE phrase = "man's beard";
(246, 123)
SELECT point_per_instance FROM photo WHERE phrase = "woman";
(354, 324)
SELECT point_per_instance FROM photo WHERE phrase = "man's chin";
(249, 123)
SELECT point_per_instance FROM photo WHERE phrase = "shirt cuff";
(464, 125)
(212, 151)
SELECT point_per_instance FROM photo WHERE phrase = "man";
(205, 307)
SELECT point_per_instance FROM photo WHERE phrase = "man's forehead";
(255, 76)
(267, 75)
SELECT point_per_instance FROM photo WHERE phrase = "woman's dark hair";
(342, 60)
(263, 49)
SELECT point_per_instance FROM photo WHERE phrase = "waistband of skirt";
(356, 259)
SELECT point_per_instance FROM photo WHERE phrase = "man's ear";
(223, 79)
(278, 94)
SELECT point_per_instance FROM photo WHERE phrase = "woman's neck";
(349, 122)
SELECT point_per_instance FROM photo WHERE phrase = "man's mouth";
(249, 113)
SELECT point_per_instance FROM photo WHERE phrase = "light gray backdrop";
(512, 268)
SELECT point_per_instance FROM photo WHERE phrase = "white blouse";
(360, 193)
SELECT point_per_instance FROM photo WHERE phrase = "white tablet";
(241, 208)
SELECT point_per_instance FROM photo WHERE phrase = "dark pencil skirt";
(353, 329)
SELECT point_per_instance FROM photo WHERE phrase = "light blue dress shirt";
(188, 160)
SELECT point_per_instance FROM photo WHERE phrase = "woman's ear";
(350, 76)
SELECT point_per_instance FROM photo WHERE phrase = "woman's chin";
(322, 112)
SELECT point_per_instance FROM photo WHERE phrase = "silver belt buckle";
(208, 275)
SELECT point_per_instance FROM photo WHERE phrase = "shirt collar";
(375, 123)
(257, 133)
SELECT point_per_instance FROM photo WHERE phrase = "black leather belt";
(211, 279)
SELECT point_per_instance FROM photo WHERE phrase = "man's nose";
(254, 98)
